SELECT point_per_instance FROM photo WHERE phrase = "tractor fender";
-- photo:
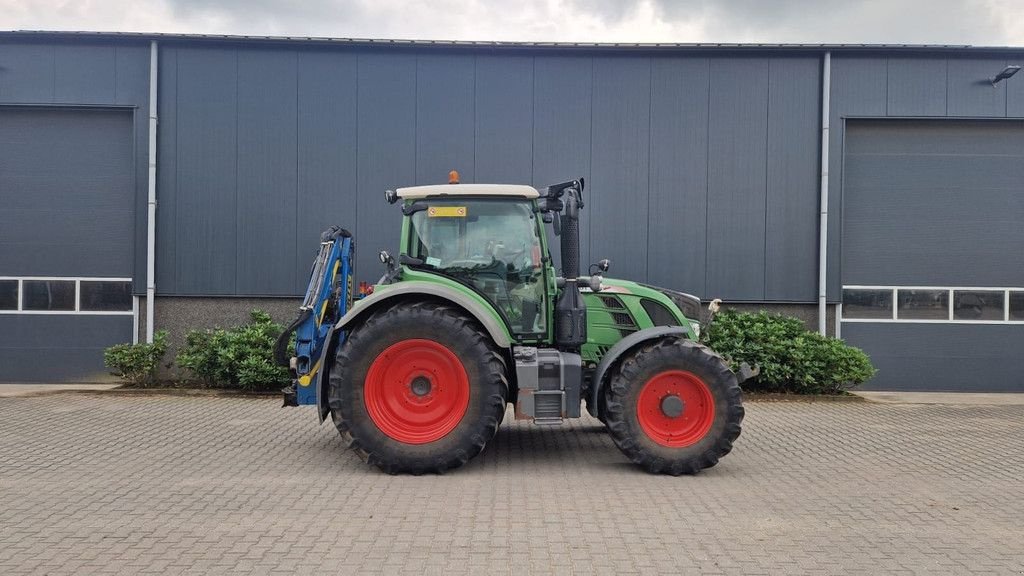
(618, 350)
(323, 376)
(497, 330)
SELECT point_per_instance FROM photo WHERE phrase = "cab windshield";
(493, 246)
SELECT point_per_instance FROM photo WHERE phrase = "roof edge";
(388, 42)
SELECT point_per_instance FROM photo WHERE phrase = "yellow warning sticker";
(446, 212)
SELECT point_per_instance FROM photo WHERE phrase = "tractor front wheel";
(418, 388)
(674, 407)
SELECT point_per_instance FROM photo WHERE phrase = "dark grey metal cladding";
(58, 348)
(970, 92)
(266, 190)
(88, 73)
(737, 179)
(504, 119)
(942, 357)
(67, 192)
(167, 173)
(327, 185)
(916, 87)
(934, 203)
(858, 89)
(387, 152)
(617, 199)
(444, 118)
(206, 211)
(562, 137)
(791, 203)
(678, 197)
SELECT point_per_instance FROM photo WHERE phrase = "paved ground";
(93, 483)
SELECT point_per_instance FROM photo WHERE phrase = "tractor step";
(548, 421)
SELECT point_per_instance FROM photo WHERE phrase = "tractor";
(417, 370)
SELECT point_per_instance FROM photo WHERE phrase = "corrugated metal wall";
(87, 74)
(909, 87)
(702, 165)
(702, 171)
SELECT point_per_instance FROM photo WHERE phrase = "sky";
(977, 22)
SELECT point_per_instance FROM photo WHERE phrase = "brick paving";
(115, 484)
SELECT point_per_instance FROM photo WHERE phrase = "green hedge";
(238, 357)
(792, 359)
(136, 364)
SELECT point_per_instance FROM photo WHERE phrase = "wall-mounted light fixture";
(1004, 74)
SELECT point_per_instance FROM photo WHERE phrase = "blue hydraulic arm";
(328, 297)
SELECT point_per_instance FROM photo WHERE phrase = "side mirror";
(385, 257)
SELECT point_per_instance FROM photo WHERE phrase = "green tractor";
(473, 315)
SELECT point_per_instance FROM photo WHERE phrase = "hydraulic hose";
(281, 346)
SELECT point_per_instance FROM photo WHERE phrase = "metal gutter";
(826, 89)
(151, 219)
(656, 46)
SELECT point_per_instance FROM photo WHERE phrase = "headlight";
(688, 304)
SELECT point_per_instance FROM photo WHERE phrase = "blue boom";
(328, 297)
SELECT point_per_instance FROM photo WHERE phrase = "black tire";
(623, 403)
(442, 324)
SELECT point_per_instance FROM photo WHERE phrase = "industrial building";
(201, 169)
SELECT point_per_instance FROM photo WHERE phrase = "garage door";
(933, 253)
(66, 224)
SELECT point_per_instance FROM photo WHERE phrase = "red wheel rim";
(675, 408)
(416, 391)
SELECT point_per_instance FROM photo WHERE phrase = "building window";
(978, 305)
(867, 303)
(1016, 307)
(8, 294)
(56, 295)
(922, 304)
(50, 295)
(965, 305)
(105, 296)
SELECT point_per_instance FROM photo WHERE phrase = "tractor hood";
(686, 306)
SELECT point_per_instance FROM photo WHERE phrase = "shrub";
(239, 357)
(136, 364)
(791, 358)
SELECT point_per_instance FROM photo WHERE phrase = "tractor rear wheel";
(418, 388)
(674, 407)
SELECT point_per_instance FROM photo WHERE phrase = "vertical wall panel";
(26, 73)
(387, 152)
(916, 86)
(444, 118)
(970, 92)
(131, 86)
(1015, 96)
(84, 74)
(736, 178)
(504, 119)
(621, 154)
(677, 215)
(327, 168)
(791, 231)
(858, 89)
(562, 131)
(207, 156)
(167, 172)
(266, 208)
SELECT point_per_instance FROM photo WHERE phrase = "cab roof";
(439, 190)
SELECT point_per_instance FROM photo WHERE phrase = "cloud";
(983, 22)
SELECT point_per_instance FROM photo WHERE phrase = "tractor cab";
(488, 237)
